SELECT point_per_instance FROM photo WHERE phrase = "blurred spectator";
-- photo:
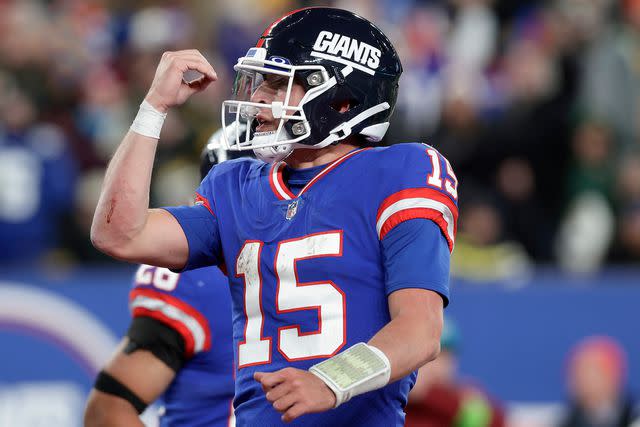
(440, 399)
(596, 379)
(630, 230)
(628, 202)
(473, 36)
(462, 135)
(103, 114)
(628, 179)
(421, 47)
(525, 217)
(593, 166)
(37, 176)
(482, 252)
(611, 84)
(538, 83)
(581, 247)
(156, 28)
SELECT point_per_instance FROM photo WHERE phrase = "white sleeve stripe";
(193, 326)
(417, 203)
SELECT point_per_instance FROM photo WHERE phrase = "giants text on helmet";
(348, 48)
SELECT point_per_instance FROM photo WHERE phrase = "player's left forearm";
(104, 410)
(412, 337)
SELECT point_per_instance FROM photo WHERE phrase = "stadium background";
(535, 103)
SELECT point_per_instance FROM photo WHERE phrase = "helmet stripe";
(276, 22)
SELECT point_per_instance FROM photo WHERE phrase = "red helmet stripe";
(270, 27)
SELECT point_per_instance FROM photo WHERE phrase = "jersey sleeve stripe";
(175, 313)
(189, 342)
(424, 213)
(426, 193)
(418, 207)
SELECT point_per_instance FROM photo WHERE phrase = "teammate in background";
(178, 346)
(338, 253)
(440, 399)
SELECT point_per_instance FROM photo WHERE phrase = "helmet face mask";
(339, 59)
(253, 72)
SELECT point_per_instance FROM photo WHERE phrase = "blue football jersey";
(197, 305)
(307, 271)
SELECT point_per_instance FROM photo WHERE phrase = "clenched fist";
(294, 392)
(168, 88)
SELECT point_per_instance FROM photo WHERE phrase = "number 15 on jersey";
(325, 297)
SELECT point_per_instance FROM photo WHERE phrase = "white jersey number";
(161, 278)
(291, 295)
(435, 177)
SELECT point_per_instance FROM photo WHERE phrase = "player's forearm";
(123, 206)
(405, 346)
(108, 411)
(412, 337)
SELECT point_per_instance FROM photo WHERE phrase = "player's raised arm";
(123, 225)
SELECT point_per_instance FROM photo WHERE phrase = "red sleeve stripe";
(418, 207)
(193, 327)
(173, 324)
(407, 214)
(426, 193)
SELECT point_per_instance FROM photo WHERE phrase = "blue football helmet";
(339, 58)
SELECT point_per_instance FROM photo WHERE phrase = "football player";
(337, 250)
(178, 346)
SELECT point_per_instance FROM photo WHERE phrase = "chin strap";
(274, 153)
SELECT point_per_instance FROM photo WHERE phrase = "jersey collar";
(279, 187)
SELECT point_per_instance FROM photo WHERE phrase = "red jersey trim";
(426, 193)
(276, 182)
(425, 213)
(201, 200)
(280, 189)
(416, 203)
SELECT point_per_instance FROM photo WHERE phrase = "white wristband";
(148, 121)
(358, 369)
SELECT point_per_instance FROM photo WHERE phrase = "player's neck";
(303, 158)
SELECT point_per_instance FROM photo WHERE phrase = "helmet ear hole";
(343, 105)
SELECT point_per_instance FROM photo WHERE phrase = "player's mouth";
(264, 125)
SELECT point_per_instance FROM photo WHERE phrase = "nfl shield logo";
(292, 209)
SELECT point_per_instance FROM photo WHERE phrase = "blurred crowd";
(597, 392)
(535, 104)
